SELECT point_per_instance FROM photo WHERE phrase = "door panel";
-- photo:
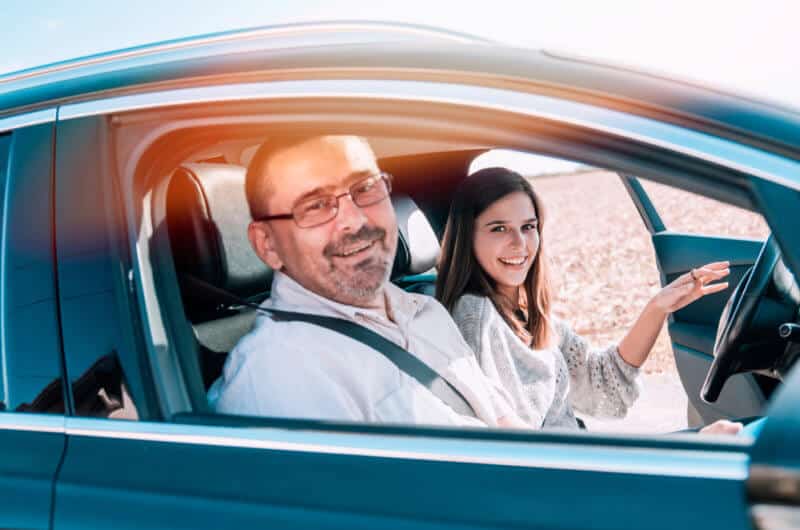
(31, 446)
(693, 329)
(187, 476)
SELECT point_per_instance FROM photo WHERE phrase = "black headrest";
(207, 215)
(417, 246)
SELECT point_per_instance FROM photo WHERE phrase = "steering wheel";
(737, 318)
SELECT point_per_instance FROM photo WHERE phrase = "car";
(124, 260)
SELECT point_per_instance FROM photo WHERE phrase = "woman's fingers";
(722, 427)
(710, 275)
(706, 273)
(700, 275)
(695, 284)
(713, 288)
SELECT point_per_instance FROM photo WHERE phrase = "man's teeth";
(356, 250)
(513, 261)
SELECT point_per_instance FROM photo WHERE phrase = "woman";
(493, 279)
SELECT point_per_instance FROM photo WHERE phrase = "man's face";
(349, 258)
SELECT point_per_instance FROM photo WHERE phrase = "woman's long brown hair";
(460, 273)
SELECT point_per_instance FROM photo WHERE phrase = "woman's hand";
(636, 345)
(688, 287)
(722, 427)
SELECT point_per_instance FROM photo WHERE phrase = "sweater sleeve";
(602, 383)
(503, 358)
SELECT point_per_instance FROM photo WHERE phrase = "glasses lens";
(370, 190)
(315, 211)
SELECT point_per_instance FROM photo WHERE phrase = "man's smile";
(357, 249)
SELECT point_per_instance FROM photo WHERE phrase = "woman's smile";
(514, 262)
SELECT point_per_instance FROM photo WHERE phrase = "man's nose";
(350, 216)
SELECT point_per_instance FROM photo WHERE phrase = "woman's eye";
(530, 226)
(498, 229)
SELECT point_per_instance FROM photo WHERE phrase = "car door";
(179, 466)
(31, 412)
(693, 329)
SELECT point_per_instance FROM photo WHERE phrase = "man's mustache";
(364, 234)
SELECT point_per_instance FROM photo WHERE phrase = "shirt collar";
(288, 294)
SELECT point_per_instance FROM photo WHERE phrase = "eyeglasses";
(320, 209)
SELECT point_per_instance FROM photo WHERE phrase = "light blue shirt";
(298, 370)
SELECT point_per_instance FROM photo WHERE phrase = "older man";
(323, 221)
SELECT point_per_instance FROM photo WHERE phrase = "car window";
(5, 141)
(687, 212)
(590, 221)
(199, 226)
(31, 371)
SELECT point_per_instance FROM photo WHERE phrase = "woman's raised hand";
(688, 287)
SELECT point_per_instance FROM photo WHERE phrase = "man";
(322, 219)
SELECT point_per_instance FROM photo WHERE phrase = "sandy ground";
(604, 272)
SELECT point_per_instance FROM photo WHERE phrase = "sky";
(746, 46)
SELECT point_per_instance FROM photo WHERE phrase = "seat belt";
(404, 360)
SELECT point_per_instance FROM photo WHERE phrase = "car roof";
(399, 51)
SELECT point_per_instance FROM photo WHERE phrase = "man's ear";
(263, 242)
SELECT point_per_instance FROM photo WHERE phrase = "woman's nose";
(517, 239)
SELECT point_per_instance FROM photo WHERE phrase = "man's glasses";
(320, 209)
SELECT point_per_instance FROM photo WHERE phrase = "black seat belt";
(400, 357)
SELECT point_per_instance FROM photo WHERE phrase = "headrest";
(417, 246)
(207, 215)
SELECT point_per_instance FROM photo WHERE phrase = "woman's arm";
(637, 343)
(602, 383)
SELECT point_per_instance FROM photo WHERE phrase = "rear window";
(30, 346)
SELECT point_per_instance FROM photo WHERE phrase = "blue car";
(124, 223)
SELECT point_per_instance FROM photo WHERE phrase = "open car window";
(427, 172)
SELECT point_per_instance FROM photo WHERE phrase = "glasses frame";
(383, 175)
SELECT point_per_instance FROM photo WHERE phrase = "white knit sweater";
(546, 384)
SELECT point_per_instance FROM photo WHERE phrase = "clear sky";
(750, 46)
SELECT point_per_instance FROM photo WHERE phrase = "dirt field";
(602, 260)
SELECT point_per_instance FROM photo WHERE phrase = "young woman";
(493, 279)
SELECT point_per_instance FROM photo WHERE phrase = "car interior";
(207, 216)
(206, 278)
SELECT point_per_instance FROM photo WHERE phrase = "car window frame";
(143, 112)
(92, 265)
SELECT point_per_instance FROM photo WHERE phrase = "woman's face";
(507, 240)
